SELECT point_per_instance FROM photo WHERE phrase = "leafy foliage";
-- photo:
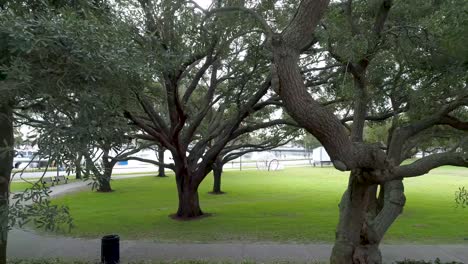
(33, 205)
(461, 197)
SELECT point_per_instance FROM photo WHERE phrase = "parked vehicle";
(28, 159)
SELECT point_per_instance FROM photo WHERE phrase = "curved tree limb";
(454, 122)
(169, 166)
(401, 134)
(424, 165)
(299, 33)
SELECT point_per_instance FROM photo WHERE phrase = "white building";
(320, 157)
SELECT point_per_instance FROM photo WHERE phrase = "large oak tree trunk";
(353, 208)
(189, 205)
(217, 172)
(6, 164)
(364, 220)
(161, 172)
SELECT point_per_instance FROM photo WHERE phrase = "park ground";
(296, 205)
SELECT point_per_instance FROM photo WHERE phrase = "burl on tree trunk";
(6, 164)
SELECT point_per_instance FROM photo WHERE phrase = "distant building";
(27, 157)
(320, 157)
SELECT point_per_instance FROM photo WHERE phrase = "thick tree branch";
(271, 101)
(318, 121)
(169, 166)
(126, 153)
(453, 122)
(255, 15)
(229, 129)
(381, 17)
(424, 165)
(349, 16)
(154, 134)
(154, 117)
(196, 79)
(335, 101)
(331, 66)
(299, 33)
(401, 134)
(255, 127)
(376, 118)
(252, 148)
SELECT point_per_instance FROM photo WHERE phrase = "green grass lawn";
(294, 205)
(19, 186)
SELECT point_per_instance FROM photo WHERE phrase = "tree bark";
(360, 108)
(364, 220)
(104, 178)
(161, 172)
(189, 205)
(353, 211)
(217, 172)
(78, 167)
(6, 164)
(318, 121)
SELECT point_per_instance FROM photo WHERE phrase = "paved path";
(63, 189)
(28, 244)
(36, 175)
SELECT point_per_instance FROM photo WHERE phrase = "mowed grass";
(294, 205)
(19, 186)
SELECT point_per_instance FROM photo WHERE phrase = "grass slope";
(294, 205)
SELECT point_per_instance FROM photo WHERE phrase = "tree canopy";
(372, 81)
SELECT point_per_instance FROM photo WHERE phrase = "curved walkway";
(28, 244)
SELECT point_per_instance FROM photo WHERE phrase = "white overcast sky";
(204, 3)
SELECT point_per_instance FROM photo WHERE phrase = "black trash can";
(110, 249)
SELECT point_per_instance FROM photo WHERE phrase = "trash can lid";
(110, 237)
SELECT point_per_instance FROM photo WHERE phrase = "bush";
(461, 197)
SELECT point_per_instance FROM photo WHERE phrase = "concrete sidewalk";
(23, 244)
(63, 189)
